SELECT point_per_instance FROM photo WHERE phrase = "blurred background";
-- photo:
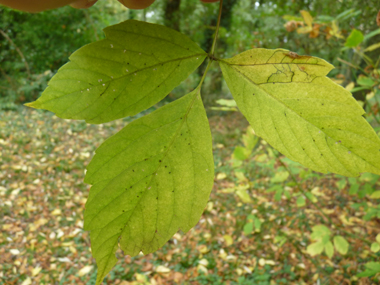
(34, 46)
(265, 212)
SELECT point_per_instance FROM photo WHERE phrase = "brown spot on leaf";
(293, 55)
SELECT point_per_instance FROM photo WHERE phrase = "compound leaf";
(372, 268)
(133, 68)
(291, 104)
(148, 181)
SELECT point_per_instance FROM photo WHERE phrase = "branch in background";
(18, 51)
(352, 65)
(172, 16)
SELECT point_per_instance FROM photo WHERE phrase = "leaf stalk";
(204, 74)
(217, 29)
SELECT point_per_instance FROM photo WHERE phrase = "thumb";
(83, 4)
(136, 4)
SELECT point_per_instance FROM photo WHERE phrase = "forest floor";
(255, 229)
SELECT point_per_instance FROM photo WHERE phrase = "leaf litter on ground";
(43, 196)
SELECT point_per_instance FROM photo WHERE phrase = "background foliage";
(47, 39)
(251, 230)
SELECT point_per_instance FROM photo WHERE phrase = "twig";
(217, 28)
(353, 66)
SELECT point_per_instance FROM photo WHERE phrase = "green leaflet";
(149, 180)
(315, 248)
(322, 236)
(135, 67)
(341, 244)
(329, 249)
(291, 103)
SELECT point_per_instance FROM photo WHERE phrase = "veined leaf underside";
(149, 180)
(291, 103)
(131, 70)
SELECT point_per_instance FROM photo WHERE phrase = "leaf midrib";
(118, 78)
(133, 104)
(160, 164)
(184, 119)
(119, 93)
(129, 143)
(269, 94)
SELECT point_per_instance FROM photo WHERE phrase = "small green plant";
(372, 268)
(322, 235)
(253, 225)
(154, 177)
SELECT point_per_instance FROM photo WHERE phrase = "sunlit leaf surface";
(135, 67)
(291, 103)
(149, 180)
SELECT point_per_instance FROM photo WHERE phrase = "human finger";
(35, 6)
(83, 4)
(136, 4)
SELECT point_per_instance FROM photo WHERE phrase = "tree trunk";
(172, 15)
